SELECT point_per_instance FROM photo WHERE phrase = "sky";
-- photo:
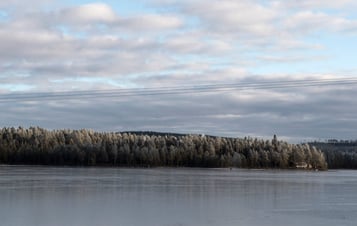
(68, 46)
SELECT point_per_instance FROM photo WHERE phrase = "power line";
(176, 90)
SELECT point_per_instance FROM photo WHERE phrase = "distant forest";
(339, 154)
(140, 149)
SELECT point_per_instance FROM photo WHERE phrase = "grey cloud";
(316, 4)
(290, 58)
(24, 4)
(150, 22)
(197, 43)
(315, 114)
(199, 73)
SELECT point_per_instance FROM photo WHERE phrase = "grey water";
(53, 196)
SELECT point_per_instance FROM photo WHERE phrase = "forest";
(339, 154)
(84, 147)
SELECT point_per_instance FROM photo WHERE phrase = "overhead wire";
(174, 90)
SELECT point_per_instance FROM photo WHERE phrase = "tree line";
(84, 147)
(339, 154)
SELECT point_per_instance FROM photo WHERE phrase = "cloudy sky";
(68, 46)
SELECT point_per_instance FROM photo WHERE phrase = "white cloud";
(238, 17)
(88, 13)
(178, 43)
(307, 21)
(100, 13)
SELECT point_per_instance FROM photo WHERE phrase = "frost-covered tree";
(87, 147)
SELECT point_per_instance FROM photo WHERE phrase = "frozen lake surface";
(52, 196)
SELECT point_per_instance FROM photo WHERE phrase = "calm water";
(48, 196)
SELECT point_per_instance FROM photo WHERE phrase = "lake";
(64, 196)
